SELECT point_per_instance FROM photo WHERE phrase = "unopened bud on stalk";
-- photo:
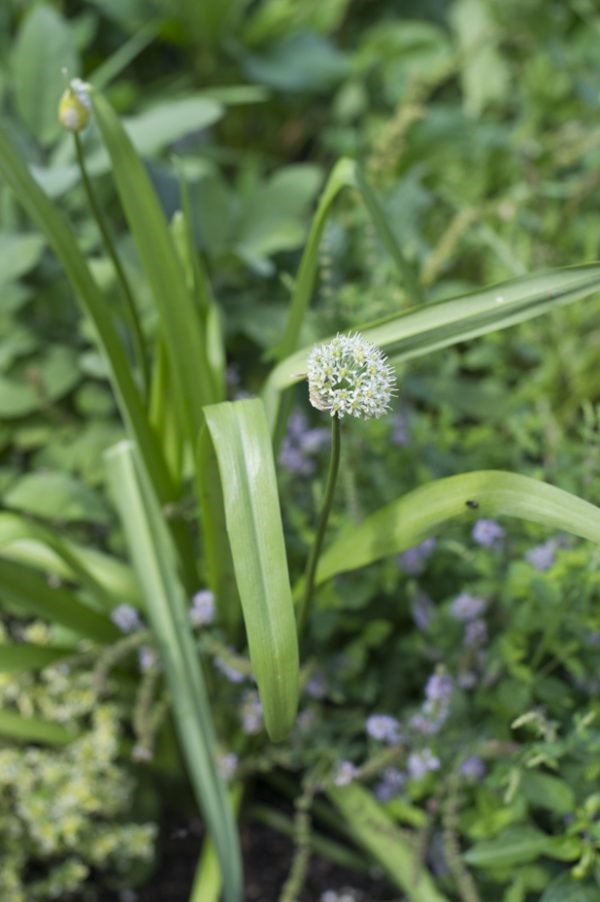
(75, 107)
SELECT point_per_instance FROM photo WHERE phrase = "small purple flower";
(229, 672)
(439, 687)
(401, 430)
(423, 610)
(476, 633)
(126, 618)
(251, 713)
(227, 765)
(390, 785)
(467, 607)
(316, 686)
(467, 680)
(472, 768)
(300, 444)
(542, 556)
(345, 774)
(412, 561)
(488, 533)
(147, 658)
(202, 611)
(383, 728)
(421, 762)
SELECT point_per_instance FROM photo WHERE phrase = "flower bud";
(75, 107)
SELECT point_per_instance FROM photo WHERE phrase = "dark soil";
(267, 859)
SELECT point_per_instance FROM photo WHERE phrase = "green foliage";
(465, 147)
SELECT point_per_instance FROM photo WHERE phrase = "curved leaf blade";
(241, 441)
(166, 602)
(377, 833)
(415, 333)
(410, 519)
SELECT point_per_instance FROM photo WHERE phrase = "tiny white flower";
(349, 375)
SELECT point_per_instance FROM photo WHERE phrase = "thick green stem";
(313, 559)
(130, 308)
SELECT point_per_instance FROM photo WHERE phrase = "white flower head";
(349, 375)
(75, 106)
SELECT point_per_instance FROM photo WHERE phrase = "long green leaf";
(180, 323)
(26, 542)
(345, 174)
(18, 657)
(407, 521)
(415, 333)
(241, 441)
(28, 592)
(33, 729)
(166, 608)
(378, 834)
(62, 241)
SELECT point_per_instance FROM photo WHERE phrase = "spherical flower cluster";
(126, 618)
(75, 106)
(467, 607)
(349, 375)
(383, 728)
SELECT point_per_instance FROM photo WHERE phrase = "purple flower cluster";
(422, 609)
(413, 560)
(126, 618)
(251, 713)
(467, 607)
(390, 785)
(227, 765)
(228, 671)
(421, 762)
(472, 768)
(316, 686)
(476, 633)
(435, 708)
(300, 445)
(202, 611)
(488, 534)
(542, 556)
(383, 728)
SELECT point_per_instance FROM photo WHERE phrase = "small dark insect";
(472, 504)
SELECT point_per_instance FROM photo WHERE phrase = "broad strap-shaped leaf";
(377, 833)
(33, 729)
(107, 579)
(28, 592)
(415, 333)
(61, 239)
(345, 174)
(242, 445)
(18, 657)
(167, 606)
(412, 518)
(180, 322)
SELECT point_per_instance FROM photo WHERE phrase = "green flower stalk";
(346, 376)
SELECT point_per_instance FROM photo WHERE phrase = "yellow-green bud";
(75, 106)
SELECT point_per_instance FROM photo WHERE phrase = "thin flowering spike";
(350, 376)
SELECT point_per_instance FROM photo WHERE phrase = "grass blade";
(378, 834)
(415, 333)
(241, 441)
(18, 657)
(28, 592)
(407, 521)
(166, 608)
(180, 323)
(33, 729)
(62, 241)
